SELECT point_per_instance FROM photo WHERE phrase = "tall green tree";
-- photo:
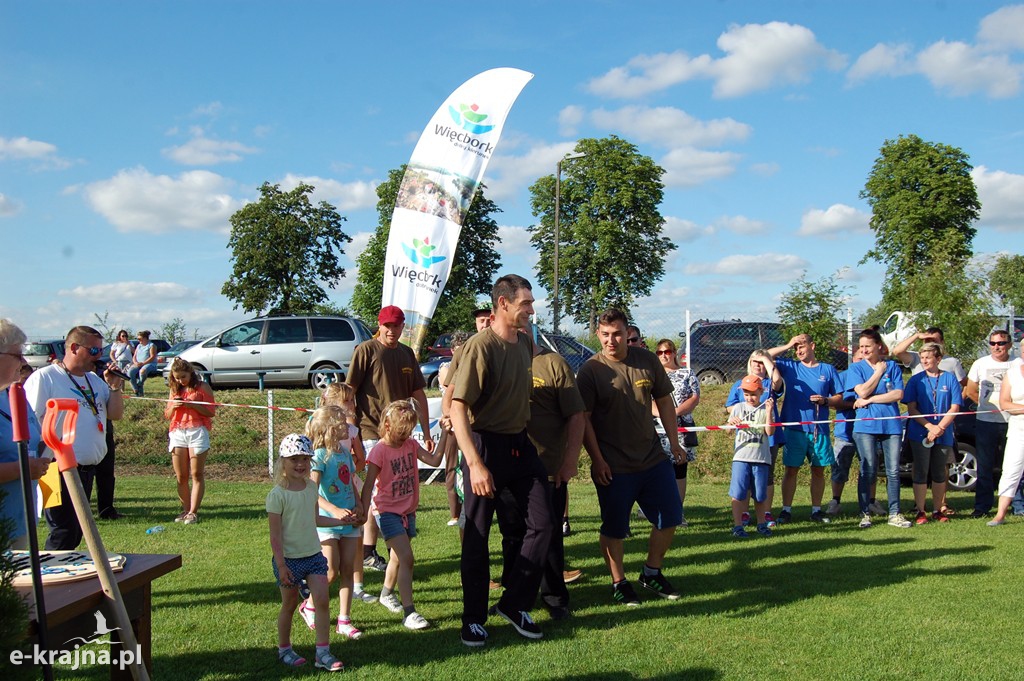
(611, 247)
(923, 208)
(473, 270)
(815, 308)
(284, 250)
(1006, 281)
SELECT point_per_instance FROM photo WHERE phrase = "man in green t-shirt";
(489, 412)
(629, 465)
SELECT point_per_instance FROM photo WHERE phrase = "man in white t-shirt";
(912, 360)
(98, 399)
(983, 383)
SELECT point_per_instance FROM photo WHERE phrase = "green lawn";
(812, 602)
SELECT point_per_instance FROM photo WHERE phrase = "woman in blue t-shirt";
(877, 384)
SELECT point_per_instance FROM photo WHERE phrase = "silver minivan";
(289, 350)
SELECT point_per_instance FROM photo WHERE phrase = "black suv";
(719, 350)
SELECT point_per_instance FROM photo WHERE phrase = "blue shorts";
(392, 524)
(301, 567)
(813, 447)
(654, 490)
(742, 472)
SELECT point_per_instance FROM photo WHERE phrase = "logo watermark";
(75, 655)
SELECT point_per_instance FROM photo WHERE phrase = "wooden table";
(70, 607)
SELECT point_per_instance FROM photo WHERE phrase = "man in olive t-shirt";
(382, 371)
(489, 411)
(629, 465)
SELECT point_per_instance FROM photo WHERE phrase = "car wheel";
(963, 472)
(319, 380)
(711, 377)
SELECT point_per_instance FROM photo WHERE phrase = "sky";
(130, 133)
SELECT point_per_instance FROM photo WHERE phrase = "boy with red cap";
(752, 458)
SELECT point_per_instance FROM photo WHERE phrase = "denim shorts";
(392, 524)
(302, 567)
(743, 472)
(813, 447)
(654, 490)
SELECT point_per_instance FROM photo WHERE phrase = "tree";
(473, 269)
(1006, 281)
(173, 331)
(611, 248)
(923, 206)
(814, 308)
(284, 248)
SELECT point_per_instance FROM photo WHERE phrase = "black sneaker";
(375, 562)
(110, 513)
(521, 622)
(819, 517)
(474, 635)
(659, 585)
(566, 527)
(979, 513)
(623, 593)
(784, 517)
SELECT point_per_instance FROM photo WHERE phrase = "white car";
(290, 350)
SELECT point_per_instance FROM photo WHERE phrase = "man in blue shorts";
(811, 388)
(628, 463)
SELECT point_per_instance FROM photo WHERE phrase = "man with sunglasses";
(98, 399)
(983, 383)
(633, 336)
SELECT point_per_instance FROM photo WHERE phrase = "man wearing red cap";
(382, 371)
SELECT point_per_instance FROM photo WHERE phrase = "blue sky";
(130, 132)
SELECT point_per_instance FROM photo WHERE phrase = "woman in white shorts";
(190, 410)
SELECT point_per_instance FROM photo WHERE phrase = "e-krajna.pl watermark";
(79, 657)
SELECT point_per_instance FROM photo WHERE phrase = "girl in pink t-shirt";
(393, 484)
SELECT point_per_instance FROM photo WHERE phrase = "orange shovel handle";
(61, 444)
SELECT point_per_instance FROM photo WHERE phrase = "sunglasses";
(998, 343)
(633, 340)
(16, 355)
(664, 352)
(93, 352)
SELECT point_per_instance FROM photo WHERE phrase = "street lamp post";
(556, 305)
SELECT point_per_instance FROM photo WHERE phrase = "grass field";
(812, 602)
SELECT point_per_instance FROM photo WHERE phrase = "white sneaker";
(391, 602)
(832, 508)
(875, 508)
(364, 597)
(897, 520)
(414, 621)
(865, 521)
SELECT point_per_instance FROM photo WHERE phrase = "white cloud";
(211, 110)
(836, 220)
(757, 57)
(569, 119)
(514, 241)
(1003, 28)
(23, 148)
(680, 231)
(761, 56)
(962, 69)
(645, 74)
(686, 167)
(1002, 198)
(766, 169)
(201, 150)
(135, 200)
(126, 293)
(509, 175)
(881, 60)
(346, 196)
(667, 126)
(741, 224)
(8, 206)
(767, 267)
